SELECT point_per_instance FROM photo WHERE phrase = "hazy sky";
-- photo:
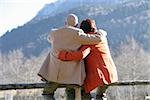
(15, 13)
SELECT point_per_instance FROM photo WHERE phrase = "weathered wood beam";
(41, 85)
(132, 82)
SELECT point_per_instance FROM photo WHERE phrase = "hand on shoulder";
(102, 32)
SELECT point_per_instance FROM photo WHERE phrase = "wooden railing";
(41, 85)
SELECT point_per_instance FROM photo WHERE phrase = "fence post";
(8, 96)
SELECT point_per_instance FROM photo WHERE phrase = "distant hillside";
(64, 5)
(122, 21)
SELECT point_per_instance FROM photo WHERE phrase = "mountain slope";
(122, 21)
(64, 5)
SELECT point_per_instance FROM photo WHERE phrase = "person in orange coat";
(99, 66)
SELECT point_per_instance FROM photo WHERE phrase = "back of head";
(88, 25)
(72, 20)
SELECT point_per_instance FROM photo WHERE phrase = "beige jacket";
(66, 72)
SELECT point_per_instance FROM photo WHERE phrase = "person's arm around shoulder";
(89, 39)
(74, 55)
(102, 32)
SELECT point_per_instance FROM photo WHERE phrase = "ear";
(92, 30)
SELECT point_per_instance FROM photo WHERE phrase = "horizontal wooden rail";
(41, 85)
(135, 82)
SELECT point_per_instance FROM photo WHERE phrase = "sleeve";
(88, 39)
(74, 55)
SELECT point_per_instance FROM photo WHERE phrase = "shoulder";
(54, 31)
(74, 29)
(103, 32)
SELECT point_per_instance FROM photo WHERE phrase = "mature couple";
(78, 57)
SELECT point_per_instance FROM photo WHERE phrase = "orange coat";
(99, 66)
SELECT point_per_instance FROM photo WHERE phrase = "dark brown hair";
(88, 25)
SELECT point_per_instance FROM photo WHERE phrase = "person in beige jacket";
(69, 38)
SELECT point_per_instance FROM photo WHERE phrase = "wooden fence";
(41, 85)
